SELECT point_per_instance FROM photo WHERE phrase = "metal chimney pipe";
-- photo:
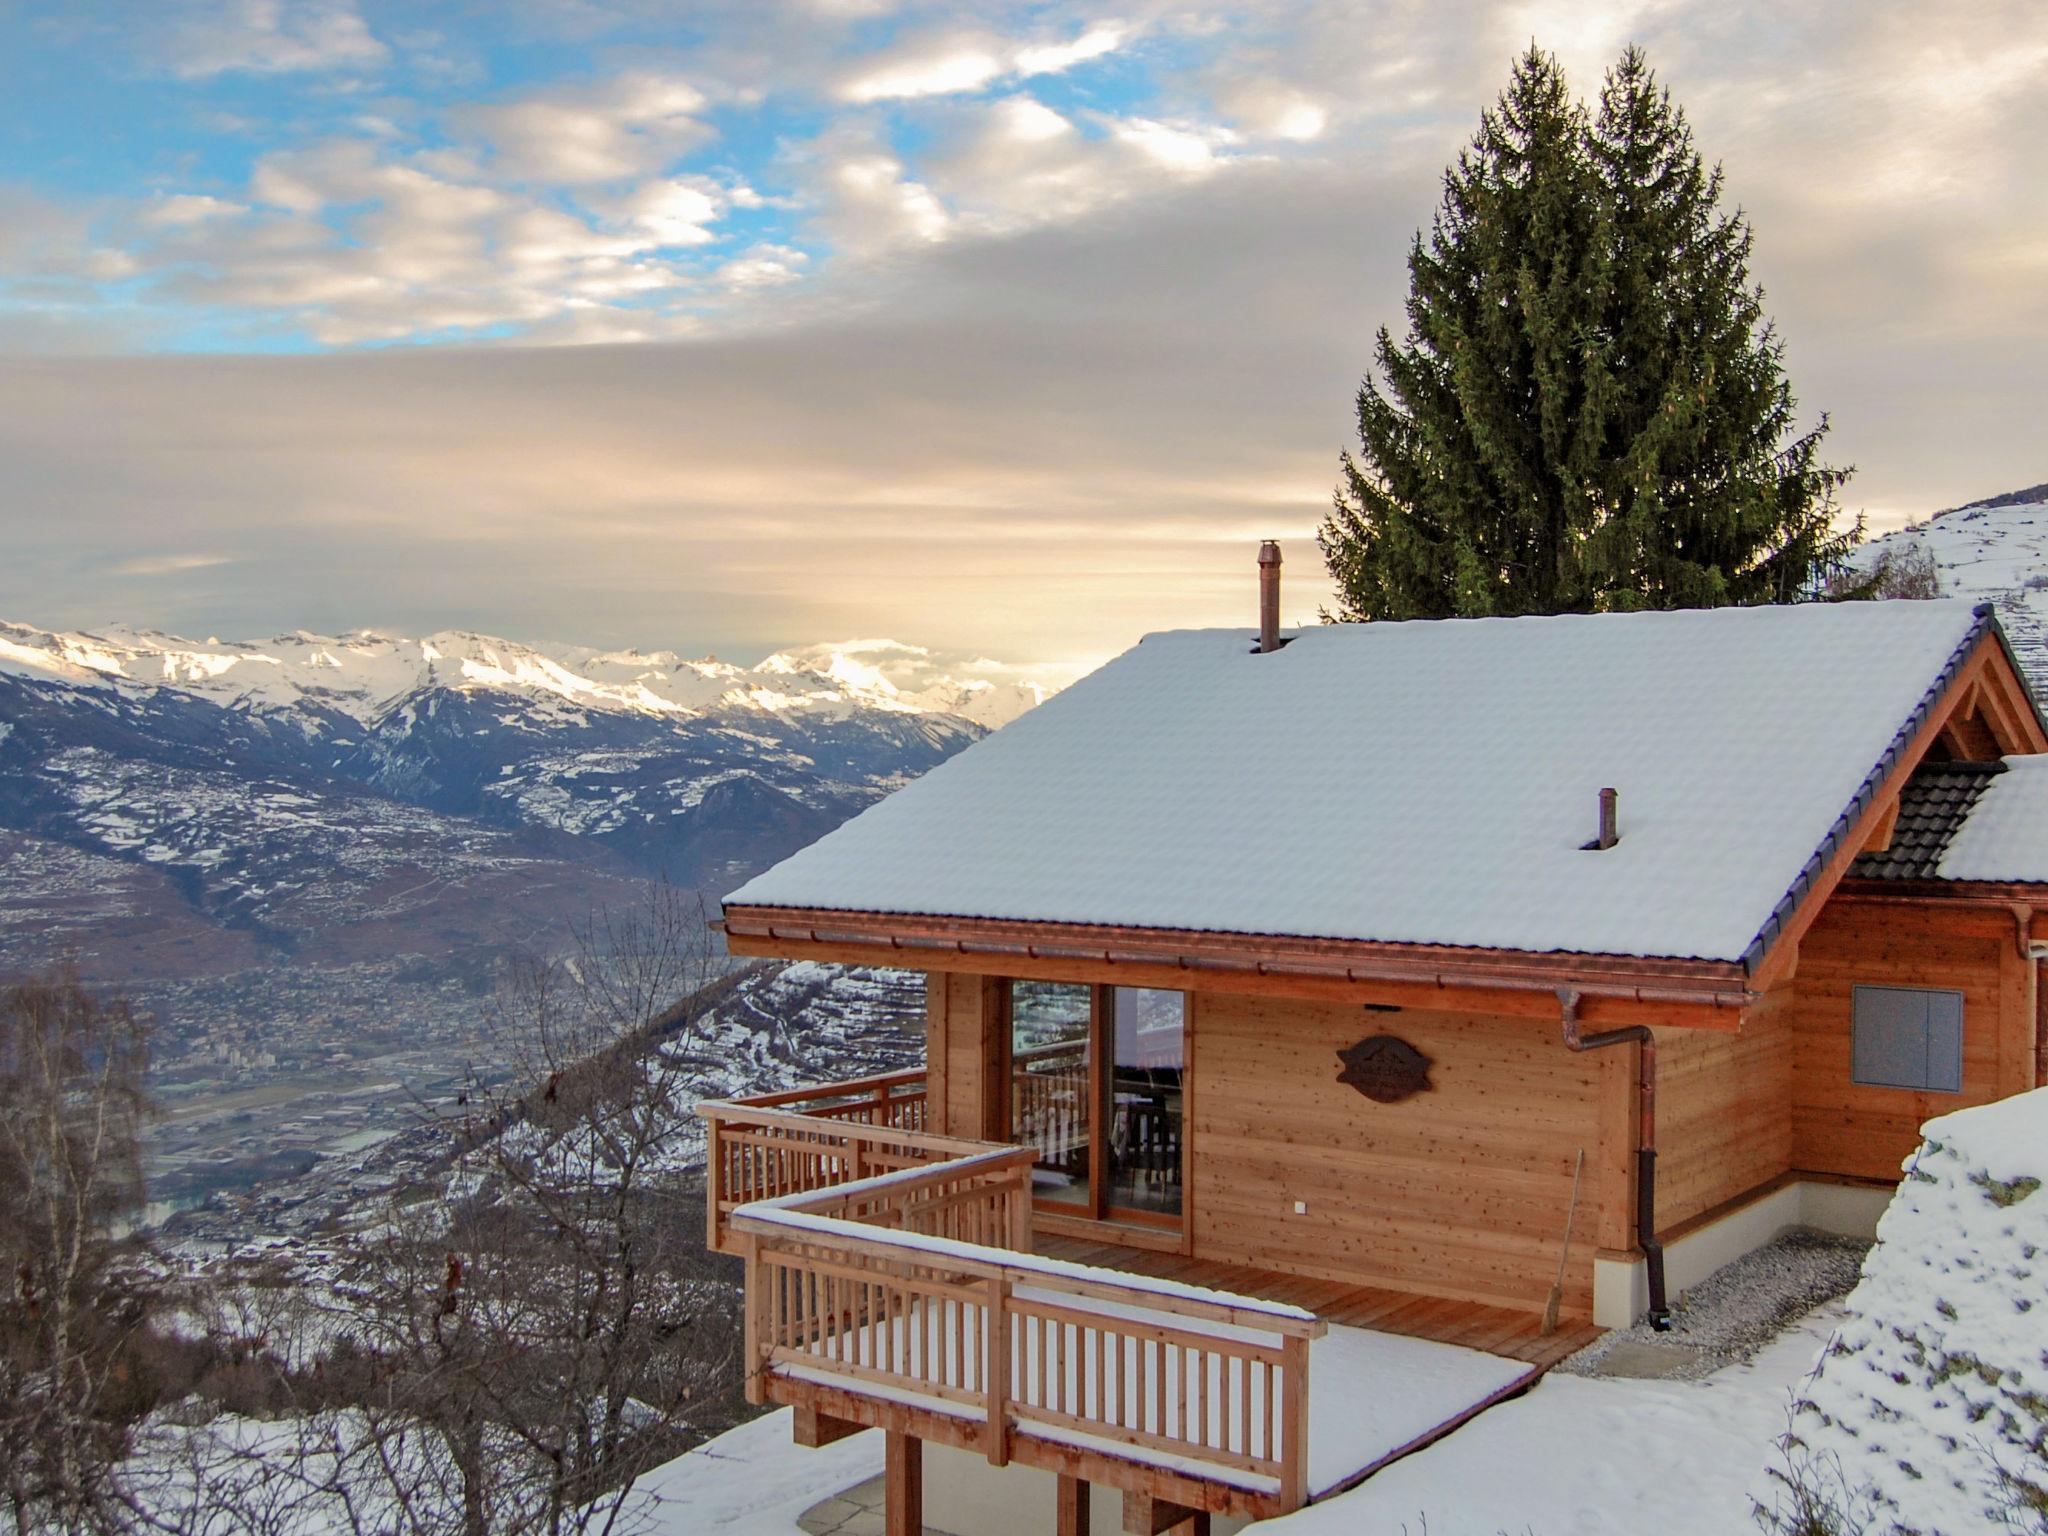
(1609, 832)
(1269, 597)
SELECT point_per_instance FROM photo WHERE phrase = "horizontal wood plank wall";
(1861, 1132)
(1459, 1192)
(1724, 1114)
(964, 1043)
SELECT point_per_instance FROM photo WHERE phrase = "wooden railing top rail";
(850, 1088)
(785, 1218)
(739, 1112)
(992, 1158)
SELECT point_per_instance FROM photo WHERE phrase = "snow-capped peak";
(364, 673)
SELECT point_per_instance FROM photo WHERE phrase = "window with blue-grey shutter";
(1907, 1037)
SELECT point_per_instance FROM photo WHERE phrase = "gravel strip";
(1734, 1312)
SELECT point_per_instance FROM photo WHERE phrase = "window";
(1906, 1037)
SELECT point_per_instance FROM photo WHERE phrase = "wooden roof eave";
(1613, 988)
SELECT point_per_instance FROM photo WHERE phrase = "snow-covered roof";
(2005, 837)
(1427, 782)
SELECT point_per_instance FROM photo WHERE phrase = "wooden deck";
(1496, 1330)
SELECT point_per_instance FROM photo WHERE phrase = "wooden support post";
(1147, 1514)
(1071, 1508)
(714, 1184)
(996, 1393)
(1293, 1422)
(755, 1365)
(1019, 1202)
(903, 1483)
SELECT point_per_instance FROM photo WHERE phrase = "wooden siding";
(1841, 1128)
(1462, 1191)
(1724, 1114)
(965, 1046)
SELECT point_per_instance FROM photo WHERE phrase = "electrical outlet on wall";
(1301, 1207)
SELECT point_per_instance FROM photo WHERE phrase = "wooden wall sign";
(1385, 1068)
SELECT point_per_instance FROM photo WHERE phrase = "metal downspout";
(1646, 1138)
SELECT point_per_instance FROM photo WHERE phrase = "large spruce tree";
(1590, 409)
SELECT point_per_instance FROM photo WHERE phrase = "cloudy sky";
(1006, 328)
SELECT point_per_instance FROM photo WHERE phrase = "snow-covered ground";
(1930, 1415)
(1583, 1456)
(752, 1481)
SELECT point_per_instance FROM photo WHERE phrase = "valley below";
(311, 862)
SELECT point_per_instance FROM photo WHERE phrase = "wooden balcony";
(890, 1282)
(894, 1280)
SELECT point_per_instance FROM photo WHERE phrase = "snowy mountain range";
(365, 674)
(339, 797)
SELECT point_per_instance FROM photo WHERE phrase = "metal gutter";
(1717, 985)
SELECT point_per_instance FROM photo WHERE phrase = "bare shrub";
(76, 1304)
(507, 1354)
(1901, 570)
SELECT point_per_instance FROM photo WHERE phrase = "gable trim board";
(1901, 754)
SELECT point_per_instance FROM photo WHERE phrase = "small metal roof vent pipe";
(1269, 597)
(1609, 832)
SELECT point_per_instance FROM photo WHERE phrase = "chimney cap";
(1269, 552)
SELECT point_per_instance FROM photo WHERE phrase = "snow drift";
(1928, 1413)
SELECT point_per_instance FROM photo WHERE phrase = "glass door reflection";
(1052, 1092)
(1147, 1040)
(1097, 1090)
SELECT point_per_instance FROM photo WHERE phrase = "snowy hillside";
(1995, 551)
(365, 674)
(1929, 1414)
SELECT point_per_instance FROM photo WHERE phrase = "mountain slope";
(331, 797)
(1996, 551)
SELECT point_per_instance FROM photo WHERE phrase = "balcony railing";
(890, 1281)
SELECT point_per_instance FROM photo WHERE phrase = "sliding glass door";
(1052, 1098)
(1097, 1087)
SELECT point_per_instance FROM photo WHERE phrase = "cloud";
(358, 241)
(635, 125)
(167, 565)
(947, 62)
(675, 211)
(182, 209)
(866, 201)
(765, 265)
(214, 37)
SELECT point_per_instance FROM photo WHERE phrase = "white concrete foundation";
(1621, 1287)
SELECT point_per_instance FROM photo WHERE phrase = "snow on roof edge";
(1866, 792)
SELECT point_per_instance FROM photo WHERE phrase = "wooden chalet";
(1487, 982)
